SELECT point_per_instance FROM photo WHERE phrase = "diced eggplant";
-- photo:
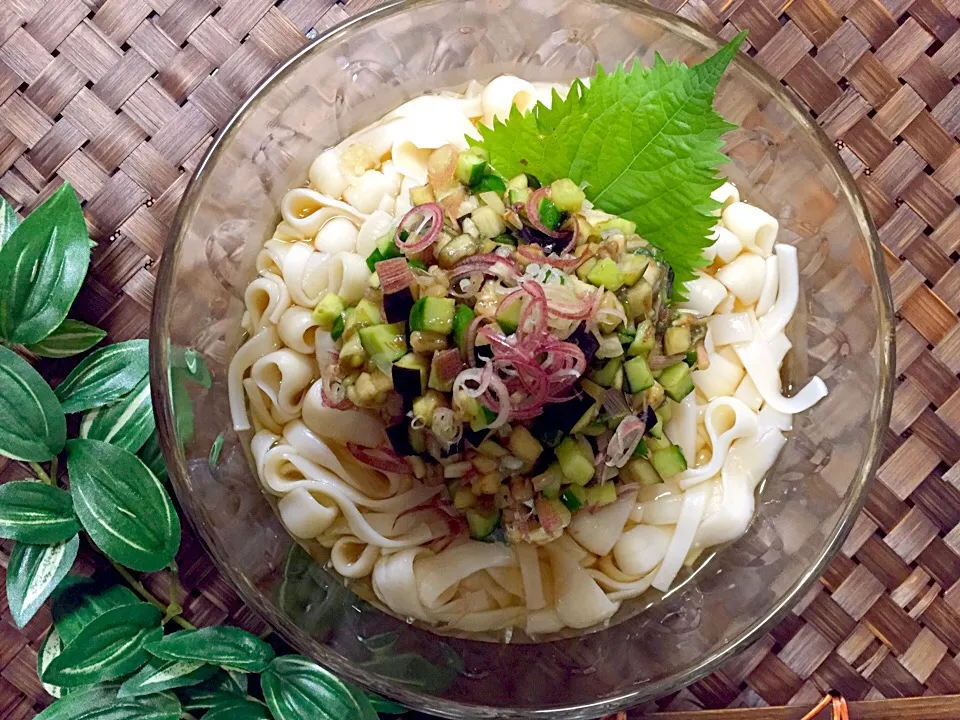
(482, 353)
(454, 449)
(586, 341)
(399, 436)
(650, 418)
(396, 306)
(409, 375)
(475, 437)
(547, 243)
(558, 420)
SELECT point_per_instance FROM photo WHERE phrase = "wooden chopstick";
(942, 707)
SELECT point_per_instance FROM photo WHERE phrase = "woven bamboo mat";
(121, 98)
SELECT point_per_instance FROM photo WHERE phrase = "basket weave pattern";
(122, 97)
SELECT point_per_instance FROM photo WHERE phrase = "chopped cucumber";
(519, 196)
(482, 524)
(625, 337)
(606, 273)
(567, 195)
(576, 462)
(550, 214)
(462, 317)
(552, 490)
(505, 239)
(617, 223)
(433, 314)
(574, 497)
(607, 375)
(352, 354)
(676, 340)
(508, 316)
(583, 271)
(677, 381)
(336, 331)
(633, 267)
(641, 450)
(328, 310)
(417, 264)
(364, 314)
(599, 495)
(668, 461)
(471, 166)
(638, 374)
(387, 247)
(655, 432)
(384, 343)
(533, 182)
(488, 221)
(641, 470)
(639, 300)
(587, 418)
(491, 183)
(644, 340)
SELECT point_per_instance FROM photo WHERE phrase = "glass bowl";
(843, 331)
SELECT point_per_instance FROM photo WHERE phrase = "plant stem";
(53, 469)
(41, 473)
(150, 597)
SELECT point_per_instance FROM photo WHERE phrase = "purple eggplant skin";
(586, 341)
(407, 382)
(548, 244)
(558, 420)
(650, 418)
(397, 306)
(399, 436)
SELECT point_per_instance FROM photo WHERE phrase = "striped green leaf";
(228, 647)
(71, 338)
(8, 221)
(108, 647)
(102, 703)
(152, 455)
(32, 423)
(296, 687)
(159, 675)
(125, 510)
(217, 690)
(33, 573)
(238, 709)
(42, 267)
(104, 376)
(36, 513)
(78, 601)
(127, 423)
(49, 649)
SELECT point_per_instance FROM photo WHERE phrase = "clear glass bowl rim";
(176, 460)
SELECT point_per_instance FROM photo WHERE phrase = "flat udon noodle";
(266, 299)
(775, 320)
(284, 376)
(729, 512)
(374, 227)
(348, 276)
(598, 531)
(717, 415)
(580, 601)
(297, 328)
(284, 471)
(353, 558)
(306, 211)
(761, 363)
(691, 513)
(340, 425)
(270, 259)
(263, 343)
(266, 415)
(339, 234)
(305, 273)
